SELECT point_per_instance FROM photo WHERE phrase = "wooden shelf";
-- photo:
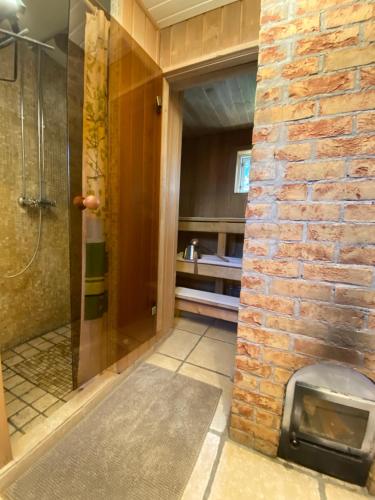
(212, 266)
(212, 225)
(210, 304)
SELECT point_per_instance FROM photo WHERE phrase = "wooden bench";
(210, 304)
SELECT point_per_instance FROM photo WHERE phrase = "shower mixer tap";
(35, 203)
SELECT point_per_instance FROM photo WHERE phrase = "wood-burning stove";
(329, 421)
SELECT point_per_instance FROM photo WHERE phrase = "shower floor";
(37, 379)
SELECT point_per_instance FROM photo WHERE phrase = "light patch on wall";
(168, 12)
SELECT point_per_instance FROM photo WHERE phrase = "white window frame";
(239, 174)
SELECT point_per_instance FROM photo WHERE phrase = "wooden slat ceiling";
(222, 105)
(168, 12)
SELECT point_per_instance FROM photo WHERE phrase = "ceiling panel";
(167, 12)
(224, 104)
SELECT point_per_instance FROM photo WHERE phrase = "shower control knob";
(90, 202)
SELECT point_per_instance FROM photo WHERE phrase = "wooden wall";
(208, 170)
(132, 15)
(213, 33)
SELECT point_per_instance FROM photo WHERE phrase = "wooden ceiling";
(220, 105)
(168, 12)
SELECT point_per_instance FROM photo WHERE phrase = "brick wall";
(308, 289)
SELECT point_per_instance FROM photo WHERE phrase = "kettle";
(192, 250)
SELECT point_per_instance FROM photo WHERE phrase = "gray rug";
(140, 443)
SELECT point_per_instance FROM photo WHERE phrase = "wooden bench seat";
(210, 304)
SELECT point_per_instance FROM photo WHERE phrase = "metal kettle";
(192, 250)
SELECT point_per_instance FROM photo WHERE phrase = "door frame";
(175, 82)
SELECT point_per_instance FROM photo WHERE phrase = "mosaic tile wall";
(38, 301)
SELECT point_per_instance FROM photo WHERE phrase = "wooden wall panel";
(133, 17)
(225, 29)
(208, 169)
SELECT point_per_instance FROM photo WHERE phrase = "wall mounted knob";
(90, 202)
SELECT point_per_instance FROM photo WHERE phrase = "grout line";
(322, 489)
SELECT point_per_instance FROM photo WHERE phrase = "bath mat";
(140, 443)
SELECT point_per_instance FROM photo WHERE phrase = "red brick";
(344, 233)
(301, 288)
(338, 273)
(251, 350)
(271, 267)
(358, 255)
(242, 437)
(369, 31)
(253, 366)
(365, 213)
(327, 41)
(301, 67)
(271, 389)
(268, 95)
(307, 6)
(269, 230)
(281, 375)
(265, 402)
(292, 192)
(308, 211)
(267, 73)
(359, 101)
(334, 315)
(362, 168)
(270, 303)
(367, 77)
(354, 190)
(288, 112)
(242, 409)
(353, 296)
(346, 147)
(265, 134)
(271, 54)
(250, 317)
(267, 419)
(349, 58)
(322, 85)
(349, 14)
(320, 128)
(294, 152)
(371, 321)
(281, 31)
(265, 447)
(255, 247)
(320, 350)
(285, 359)
(246, 381)
(250, 427)
(258, 210)
(261, 192)
(273, 14)
(252, 282)
(290, 232)
(315, 171)
(263, 171)
(300, 326)
(366, 122)
(262, 153)
(264, 336)
(305, 251)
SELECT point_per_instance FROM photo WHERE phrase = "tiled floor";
(37, 379)
(204, 349)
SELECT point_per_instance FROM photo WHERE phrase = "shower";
(10, 10)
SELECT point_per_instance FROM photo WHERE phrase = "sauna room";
(214, 182)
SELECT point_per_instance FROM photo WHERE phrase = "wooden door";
(135, 135)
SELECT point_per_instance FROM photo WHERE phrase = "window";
(242, 182)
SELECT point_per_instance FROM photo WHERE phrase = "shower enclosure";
(79, 193)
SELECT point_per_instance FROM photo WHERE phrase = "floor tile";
(44, 345)
(334, 492)
(20, 348)
(163, 361)
(11, 429)
(7, 373)
(13, 381)
(214, 355)
(23, 417)
(9, 397)
(33, 395)
(54, 408)
(193, 323)
(15, 406)
(29, 352)
(40, 419)
(23, 388)
(243, 474)
(179, 344)
(44, 402)
(35, 342)
(202, 470)
(13, 361)
(223, 331)
(7, 355)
